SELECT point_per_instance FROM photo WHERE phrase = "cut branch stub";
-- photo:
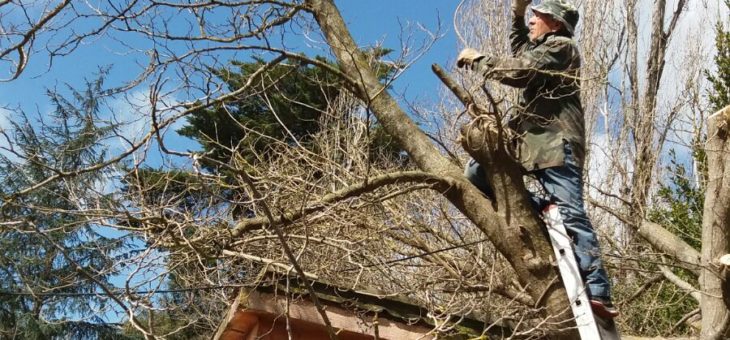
(484, 139)
(725, 261)
(724, 264)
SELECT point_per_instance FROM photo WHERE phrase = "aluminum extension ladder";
(589, 326)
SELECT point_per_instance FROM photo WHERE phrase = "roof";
(365, 305)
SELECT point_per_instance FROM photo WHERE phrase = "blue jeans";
(564, 184)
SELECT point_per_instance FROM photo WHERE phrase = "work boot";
(603, 307)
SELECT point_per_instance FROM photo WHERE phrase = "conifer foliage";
(720, 92)
(53, 258)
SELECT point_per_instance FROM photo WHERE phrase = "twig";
(289, 254)
(684, 319)
(654, 279)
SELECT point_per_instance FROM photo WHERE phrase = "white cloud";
(5, 134)
(5, 115)
(689, 52)
(133, 114)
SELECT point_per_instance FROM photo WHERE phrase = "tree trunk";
(716, 227)
(515, 231)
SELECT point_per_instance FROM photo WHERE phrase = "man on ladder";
(545, 66)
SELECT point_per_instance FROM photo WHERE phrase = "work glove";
(519, 7)
(467, 57)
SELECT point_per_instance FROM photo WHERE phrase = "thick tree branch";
(355, 190)
(716, 227)
(682, 284)
(660, 238)
(514, 229)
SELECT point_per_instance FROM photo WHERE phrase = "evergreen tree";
(288, 106)
(295, 101)
(720, 92)
(42, 294)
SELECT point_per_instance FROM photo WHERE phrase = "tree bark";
(513, 228)
(669, 243)
(716, 227)
(645, 122)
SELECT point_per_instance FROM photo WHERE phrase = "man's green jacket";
(550, 113)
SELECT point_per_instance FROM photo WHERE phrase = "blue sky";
(371, 22)
(376, 20)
